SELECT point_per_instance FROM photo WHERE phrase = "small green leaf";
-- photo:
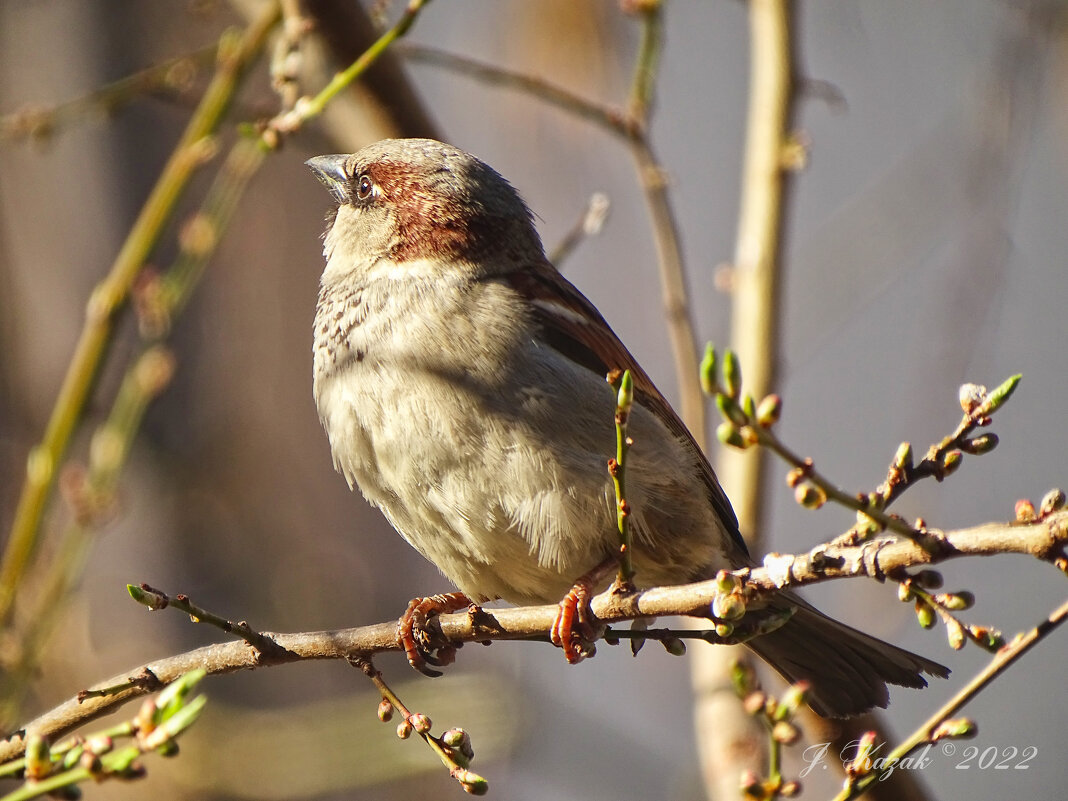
(996, 399)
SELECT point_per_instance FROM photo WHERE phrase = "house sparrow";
(461, 382)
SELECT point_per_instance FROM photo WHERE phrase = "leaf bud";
(956, 602)
(732, 374)
(925, 614)
(1025, 511)
(385, 710)
(1052, 502)
(709, 383)
(810, 496)
(728, 434)
(984, 443)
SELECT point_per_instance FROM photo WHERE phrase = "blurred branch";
(57, 771)
(940, 725)
(590, 224)
(158, 301)
(1044, 539)
(306, 108)
(348, 32)
(652, 177)
(610, 119)
(723, 727)
(235, 55)
(172, 76)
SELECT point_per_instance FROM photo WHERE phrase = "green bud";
(955, 635)
(984, 443)
(728, 434)
(796, 694)
(625, 397)
(729, 408)
(728, 607)
(674, 646)
(956, 602)
(460, 741)
(732, 374)
(72, 757)
(178, 722)
(809, 496)
(748, 406)
(996, 399)
(743, 677)
(769, 411)
(903, 457)
(925, 614)
(727, 582)
(709, 383)
(951, 462)
(148, 596)
(172, 697)
(724, 630)
(472, 783)
(955, 728)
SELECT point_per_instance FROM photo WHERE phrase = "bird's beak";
(331, 171)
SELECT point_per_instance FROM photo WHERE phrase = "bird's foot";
(576, 628)
(420, 646)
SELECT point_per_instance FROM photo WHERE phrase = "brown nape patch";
(435, 218)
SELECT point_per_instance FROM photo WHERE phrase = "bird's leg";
(412, 634)
(574, 629)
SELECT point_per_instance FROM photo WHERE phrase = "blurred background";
(924, 248)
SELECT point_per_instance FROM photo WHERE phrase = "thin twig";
(173, 75)
(1045, 539)
(451, 757)
(757, 269)
(928, 731)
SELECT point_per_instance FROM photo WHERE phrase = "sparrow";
(460, 379)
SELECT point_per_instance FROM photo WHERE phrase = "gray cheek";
(357, 239)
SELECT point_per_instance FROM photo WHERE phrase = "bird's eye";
(364, 187)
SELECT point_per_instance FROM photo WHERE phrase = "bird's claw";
(419, 645)
(575, 628)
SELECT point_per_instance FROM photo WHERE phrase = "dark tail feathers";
(848, 670)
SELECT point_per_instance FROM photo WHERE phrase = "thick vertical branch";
(728, 741)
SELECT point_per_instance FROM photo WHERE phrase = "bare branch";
(1044, 539)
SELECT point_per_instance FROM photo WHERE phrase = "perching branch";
(1045, 539)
